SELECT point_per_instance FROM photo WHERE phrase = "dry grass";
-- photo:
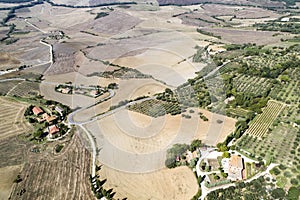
(26, 89)
(8, 175)
(7, 61)
(244, 36)
(61, 177)
(12, 118)
(134, 142)
(6, 86)
(13, 151)
(179, 183)
(136, 134)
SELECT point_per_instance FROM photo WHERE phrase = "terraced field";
(260, 125)
(12, 121)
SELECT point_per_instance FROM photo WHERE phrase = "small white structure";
(285, 19)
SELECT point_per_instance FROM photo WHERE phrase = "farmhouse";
(53, 130)
(51, 118)
(235, 168)
(37, 110)
(44, 117)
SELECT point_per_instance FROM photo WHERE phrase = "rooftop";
(236, 161)
(53, 129)
(37, 110)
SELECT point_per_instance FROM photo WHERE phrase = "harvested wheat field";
(12, 121)
(68, 172)
(134, 142)
(171, 184)
(8, 175)
(7, 61)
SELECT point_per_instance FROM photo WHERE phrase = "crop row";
(156, 108)
(251, 84)
(263, 121)
(26, 89)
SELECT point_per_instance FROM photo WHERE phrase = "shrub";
(293, 193)
(275, 171)
(294, 181)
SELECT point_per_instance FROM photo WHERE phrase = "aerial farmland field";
(149, 99)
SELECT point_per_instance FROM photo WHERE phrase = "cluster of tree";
(168, 95)
(249, 101)
(231, 47)
(200, 92)
(92, 6)
(101, 14)
(291, 27)
(208, 33)
(195, 145)
(240, 127)
(272, 72)
(177, 153)
(289, 2)
(99, 191)
(210, 66)
(66, 109)
(15, 1)
(18, 179)
(12, 11)
(123, 73)
(256, 189)
(198, 57)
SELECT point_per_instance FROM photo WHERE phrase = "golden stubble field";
(12, 121)
(8, 175)
(155, 43)
(179, 183)
(133, 149)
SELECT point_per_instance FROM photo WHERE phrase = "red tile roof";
(37, 110)
(53, 129)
